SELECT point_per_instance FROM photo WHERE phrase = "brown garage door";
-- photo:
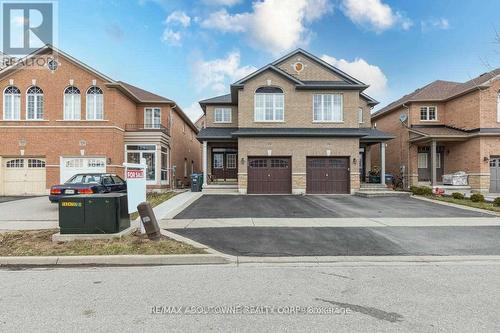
(269, 175)
(328, 175)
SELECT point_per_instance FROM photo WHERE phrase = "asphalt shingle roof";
(143, 95)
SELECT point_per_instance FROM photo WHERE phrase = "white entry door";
(23, 176)
(71, 166)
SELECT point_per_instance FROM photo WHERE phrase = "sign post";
(135, 175)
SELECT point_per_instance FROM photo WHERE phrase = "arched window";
(12, 103)
(95, 104)
(34, 103)
(72, 103)
(269, 104)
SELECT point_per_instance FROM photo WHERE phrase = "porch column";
(204, 163)
(433, 163)
(382, 163)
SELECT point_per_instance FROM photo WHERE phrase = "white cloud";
(435, 24)
(216, 75)
(221, 2)
(363, 71)
(274, 25)
(374, 14)
(193, 111)
(178, 17)
(171, 37)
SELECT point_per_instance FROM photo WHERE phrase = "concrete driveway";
(293, 206)
(28, 213)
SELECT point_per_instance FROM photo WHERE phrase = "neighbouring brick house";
(64, 117)
(297, 125)
(446, 127)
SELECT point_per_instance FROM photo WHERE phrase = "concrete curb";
(449, 204)
(118, 260)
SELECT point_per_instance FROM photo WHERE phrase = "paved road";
(6, 199)
(382, 298)
(294, 206)
(351, 241)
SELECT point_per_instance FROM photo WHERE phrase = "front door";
(495, 174)
(224, 164)
(424, 164)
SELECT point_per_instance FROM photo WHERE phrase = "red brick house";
(64, 117)
(445, 127)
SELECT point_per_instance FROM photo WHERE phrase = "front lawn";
(467, 202)
(155, 199)
(39, 243)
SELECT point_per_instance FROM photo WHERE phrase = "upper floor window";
(498, 106)
(72, 103)
(360, 115)
(428, 113)
(34, 103)
(152, 117)
(328, 107)
(11, 103)
(269, 104)
(222, 115)
(95, 104)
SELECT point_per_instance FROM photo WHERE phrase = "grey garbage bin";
(196, 182)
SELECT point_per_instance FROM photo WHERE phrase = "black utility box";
(94, 214)
(196, 182)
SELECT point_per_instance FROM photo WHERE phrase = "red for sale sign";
(135, 174)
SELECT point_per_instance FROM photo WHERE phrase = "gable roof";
(265, 68)
(222, 99)
(142, 95)
(442, 91)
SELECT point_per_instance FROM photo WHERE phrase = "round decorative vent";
(298, 66)
(52, 64)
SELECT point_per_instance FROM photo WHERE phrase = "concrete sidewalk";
(329, 222)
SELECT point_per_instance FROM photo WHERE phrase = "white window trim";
(93, 118)
(157, 179)
(274, 109)
(35, 104)
(152, 116)
(427, 107)
(438, 160)
(223, 121)
(4, 100)
(361, 119)
(426, 160)
(75, 112)
(322, 110)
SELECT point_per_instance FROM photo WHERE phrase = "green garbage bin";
(94, 214)
(196, 182)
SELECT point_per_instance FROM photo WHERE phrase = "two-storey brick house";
(446, 127)
(64, 117)
(297, 125)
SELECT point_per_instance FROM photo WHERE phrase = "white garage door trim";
(71, 166)
(23, 176)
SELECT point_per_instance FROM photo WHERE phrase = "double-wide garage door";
(328, 175)
(269, 175)
(23, 176)
(273, 175)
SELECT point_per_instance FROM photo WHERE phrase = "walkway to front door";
(224, 163)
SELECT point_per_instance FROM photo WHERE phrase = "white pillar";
(382, 163)
(433, 163)
(204, 162)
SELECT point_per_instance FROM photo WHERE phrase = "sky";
(188, 50)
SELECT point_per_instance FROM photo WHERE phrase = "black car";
(88, 183)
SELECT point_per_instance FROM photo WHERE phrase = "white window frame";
(36, 98)
(15, 110)
(438, 160)
(427, 113)
(225, 115)
(420, 162)
(92, 104)
(274, 119)
(154, 151)
(152, 123)
(360, 115)
(76, 105)
(322, 111)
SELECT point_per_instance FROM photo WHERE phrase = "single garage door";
(328, 175)
(495, 174)
(71, 166)
(24, 176)
(269, 175)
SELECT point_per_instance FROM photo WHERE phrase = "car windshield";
(84, 179)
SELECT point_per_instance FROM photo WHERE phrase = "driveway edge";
(449, 204)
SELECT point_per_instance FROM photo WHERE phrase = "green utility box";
(94, 214)
(196, 182)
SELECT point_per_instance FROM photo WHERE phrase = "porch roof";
(216, 133)
(438, 132)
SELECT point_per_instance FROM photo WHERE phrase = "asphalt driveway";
(28, 209)
(295, 206)
(352, 241)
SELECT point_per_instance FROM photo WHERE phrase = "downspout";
(408, 169)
